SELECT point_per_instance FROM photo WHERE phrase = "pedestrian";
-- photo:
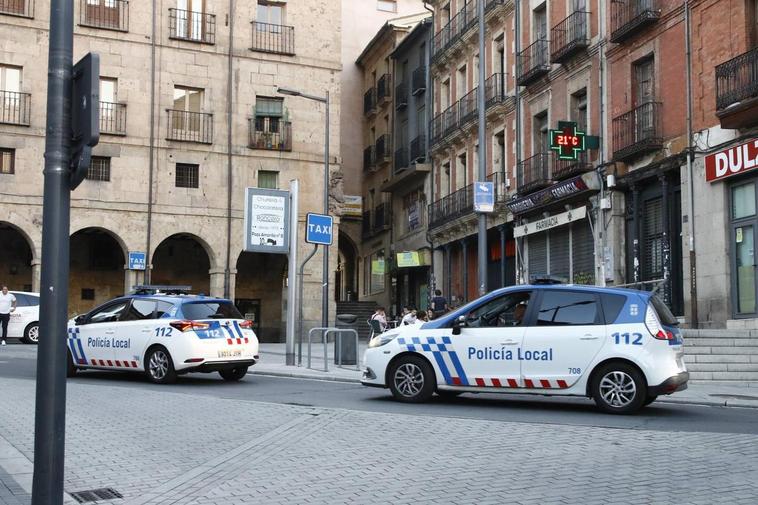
(7, 305)
(409, 317)
(422, 317)
(429, 314)
(439, 304)
(380, 316)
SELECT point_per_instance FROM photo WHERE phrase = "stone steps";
(721, 355)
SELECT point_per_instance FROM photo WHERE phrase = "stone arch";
(260, 292)
(97, 258)
(346, 278)
(17, 257)
(183, 259)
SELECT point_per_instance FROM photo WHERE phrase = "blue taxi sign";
(136, 260)
(318, 229)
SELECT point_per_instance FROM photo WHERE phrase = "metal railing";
(401, 159)
(498, 180)
(369, 158)
(382, 216)
(22, 8)
(532, 63)
(418, 149)
(383, 88)
(637, 131)
(270, 134)
(107, 14)
(468, 106)
(456, 204)
(192, 26)
(271, 38)
(534, 173)
(369, 101)
(629, 15)
(383, 151)
(418, 80)
(464, 19)
(437, 128)
(338, 358)
(494, 90)
(737, 79)
(15, 108)
(113, 118)
(186, 126)
(569, 36)
(563, 169)
(401, 96)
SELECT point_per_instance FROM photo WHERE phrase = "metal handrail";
(326, 330)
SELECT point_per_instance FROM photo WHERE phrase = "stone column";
(36, 272)
(217, 282)
(132, 278)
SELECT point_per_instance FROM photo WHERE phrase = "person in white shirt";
(380, 316)
(7, 305)
(409, 318)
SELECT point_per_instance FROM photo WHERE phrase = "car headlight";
(383, 339)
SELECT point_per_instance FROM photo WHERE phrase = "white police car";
(163, 334)
(620, 347)
(24, 321)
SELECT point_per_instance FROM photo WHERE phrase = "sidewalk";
(710, 393)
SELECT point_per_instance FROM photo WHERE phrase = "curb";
(304, 375)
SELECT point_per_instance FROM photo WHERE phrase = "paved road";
(286, 441)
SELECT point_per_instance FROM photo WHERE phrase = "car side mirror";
(80, 319)
(458, 323)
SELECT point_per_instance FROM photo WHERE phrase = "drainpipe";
(603, 228)
(429, 98)
(151, 164)
(229, 90)
(690, 183)
(517, 50)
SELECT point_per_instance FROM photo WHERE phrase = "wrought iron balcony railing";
(15, 108)
(383, 89)
(534, 173)
(369, 158)
(192, 26)
(563, 169)
(418, 81)
(369, 101)
(468, 107)
(456, 204)
(401, 159)
(494, 91)
(437, 128)
(498, 181)
(106, 14)
(569, 37)
(270, 134)
(113, 118)
(186, 126)
(737, 80)
(275, 39)
(628, 16)
(383, 149)
(637, 131)
(418, 149)
(21, 8)
(401, 96)
(532, 63)
(451, 33)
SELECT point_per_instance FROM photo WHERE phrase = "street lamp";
(325, 273)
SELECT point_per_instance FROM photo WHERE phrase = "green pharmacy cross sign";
(567, 141)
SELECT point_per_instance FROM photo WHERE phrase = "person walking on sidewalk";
(7, 305)
(439, 304)
(381, 318)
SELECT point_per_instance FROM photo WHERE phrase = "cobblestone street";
(158, 447)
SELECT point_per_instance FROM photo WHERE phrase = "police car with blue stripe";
(162, 331)
(620, 347)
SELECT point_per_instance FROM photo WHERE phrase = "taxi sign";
(136, 260)
(318, 229)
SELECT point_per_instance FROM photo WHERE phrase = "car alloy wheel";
(158, 365)
(618, 389)
(32, 334)
(409, 379)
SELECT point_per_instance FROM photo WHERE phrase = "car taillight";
(664, 335)
(652, 322)
(247, 325)
(185, 325)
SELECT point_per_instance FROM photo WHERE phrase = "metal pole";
(300, 308)
(517, 50)
(151, 163)
(482, 234)
(229, 111)
(50, 414)
(291, 274)
(690, 174)
(325, 273)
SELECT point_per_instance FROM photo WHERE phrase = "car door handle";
(589, 337)
(110, 332)
(147, 331)
(509, 342)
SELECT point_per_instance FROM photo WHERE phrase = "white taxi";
(163, 335)
(24, 321)
(620, 347)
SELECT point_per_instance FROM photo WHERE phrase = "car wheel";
(159, 367)
(233, 374)
(619, 388)
(650, 399)
(70, 368)
(411, 380)
(31, 334)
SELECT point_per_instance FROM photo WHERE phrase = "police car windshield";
(210, 310)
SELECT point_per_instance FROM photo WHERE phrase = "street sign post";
(484, 197)
(137, 260)
(318, 229)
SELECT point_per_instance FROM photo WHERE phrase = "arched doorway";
(259, 289)
(182, 259)
(15, 258)
(346, 277)
(97, 260)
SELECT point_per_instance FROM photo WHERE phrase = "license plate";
(236, 353)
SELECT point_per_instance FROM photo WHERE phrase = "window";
(445, 179)
(644, 82)
(413, 207)
(99, 169)
(612, 305)
(187, 175)
(7, 159)
(210, 310)
(140, 309)
(461, 172)
(102, 13)
(539, 30)
(461, 82)
(108, 314)
(10, 78)
(500, 312)
(108, 89)
(377, 266)
(567, 308)
(499, 55)
(540, 133)
(386, 5)
(164, 308)
(268, 114)
(270, 13)
(268, 179)
(189, 19)
(188, 99)
(445, 94)
(88, 294)
(579, 109)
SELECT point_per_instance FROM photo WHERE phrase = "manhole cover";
(738, 397)
(91, 495)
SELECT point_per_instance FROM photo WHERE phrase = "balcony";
(369, 159)
(383, 152)
(383, 89)
(494, 91)
(637, 132)
(418, 149)
(409, 169)
(369, 102)
(532, 63)
(534, 173)
(21, 8)
(737, 91)
(450, 119)
(563, 169)
(498, 180)
(629, 16)
(273, 39)
(467, 108)
(418, 81)
(270, 134)
(452, 32)
(105, 14)
(186, 126)
(15, 108)
(382, 217)
(569, 37)
(401, 96)
(451, 207)
(112, 118)
(192, 26)
(401, 159)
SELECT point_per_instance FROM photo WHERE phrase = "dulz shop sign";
(732, 161)
(267, 220)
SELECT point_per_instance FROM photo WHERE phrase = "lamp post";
(325, 274)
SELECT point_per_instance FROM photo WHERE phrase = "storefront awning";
(555, 193)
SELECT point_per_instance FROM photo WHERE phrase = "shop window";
(377, 269)
(743, 201)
